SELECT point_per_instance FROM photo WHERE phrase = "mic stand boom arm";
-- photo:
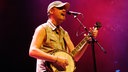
(75, 16)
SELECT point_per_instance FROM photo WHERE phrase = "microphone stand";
(93, 41)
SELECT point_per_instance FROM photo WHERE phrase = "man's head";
(57, 11)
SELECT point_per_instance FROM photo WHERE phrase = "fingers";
(62, 62)
(94, 31)
(66, 62)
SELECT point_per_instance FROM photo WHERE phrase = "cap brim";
(66, 4)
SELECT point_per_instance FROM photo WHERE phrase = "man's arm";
(37, 40)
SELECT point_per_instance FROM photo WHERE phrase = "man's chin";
(62, 19)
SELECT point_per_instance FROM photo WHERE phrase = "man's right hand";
(61, 63)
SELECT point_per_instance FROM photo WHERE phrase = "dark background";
(19, 18)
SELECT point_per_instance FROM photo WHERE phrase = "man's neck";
(55, 22)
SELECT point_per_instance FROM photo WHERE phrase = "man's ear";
(51, 11)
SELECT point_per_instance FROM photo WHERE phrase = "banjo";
(71, 66)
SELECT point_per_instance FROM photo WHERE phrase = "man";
(50, 36)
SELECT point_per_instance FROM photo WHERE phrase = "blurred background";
(19, 18)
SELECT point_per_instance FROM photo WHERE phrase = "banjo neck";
(80, 45)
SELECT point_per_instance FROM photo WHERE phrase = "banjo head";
(70, 67)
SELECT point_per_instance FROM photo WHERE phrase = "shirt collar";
(51, 25)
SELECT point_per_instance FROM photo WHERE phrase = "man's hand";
(94, 32)
(61, 63)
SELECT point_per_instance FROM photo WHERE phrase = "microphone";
(73, 13)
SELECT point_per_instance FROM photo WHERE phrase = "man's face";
(59, 13)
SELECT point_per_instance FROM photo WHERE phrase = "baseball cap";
(58, 4)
